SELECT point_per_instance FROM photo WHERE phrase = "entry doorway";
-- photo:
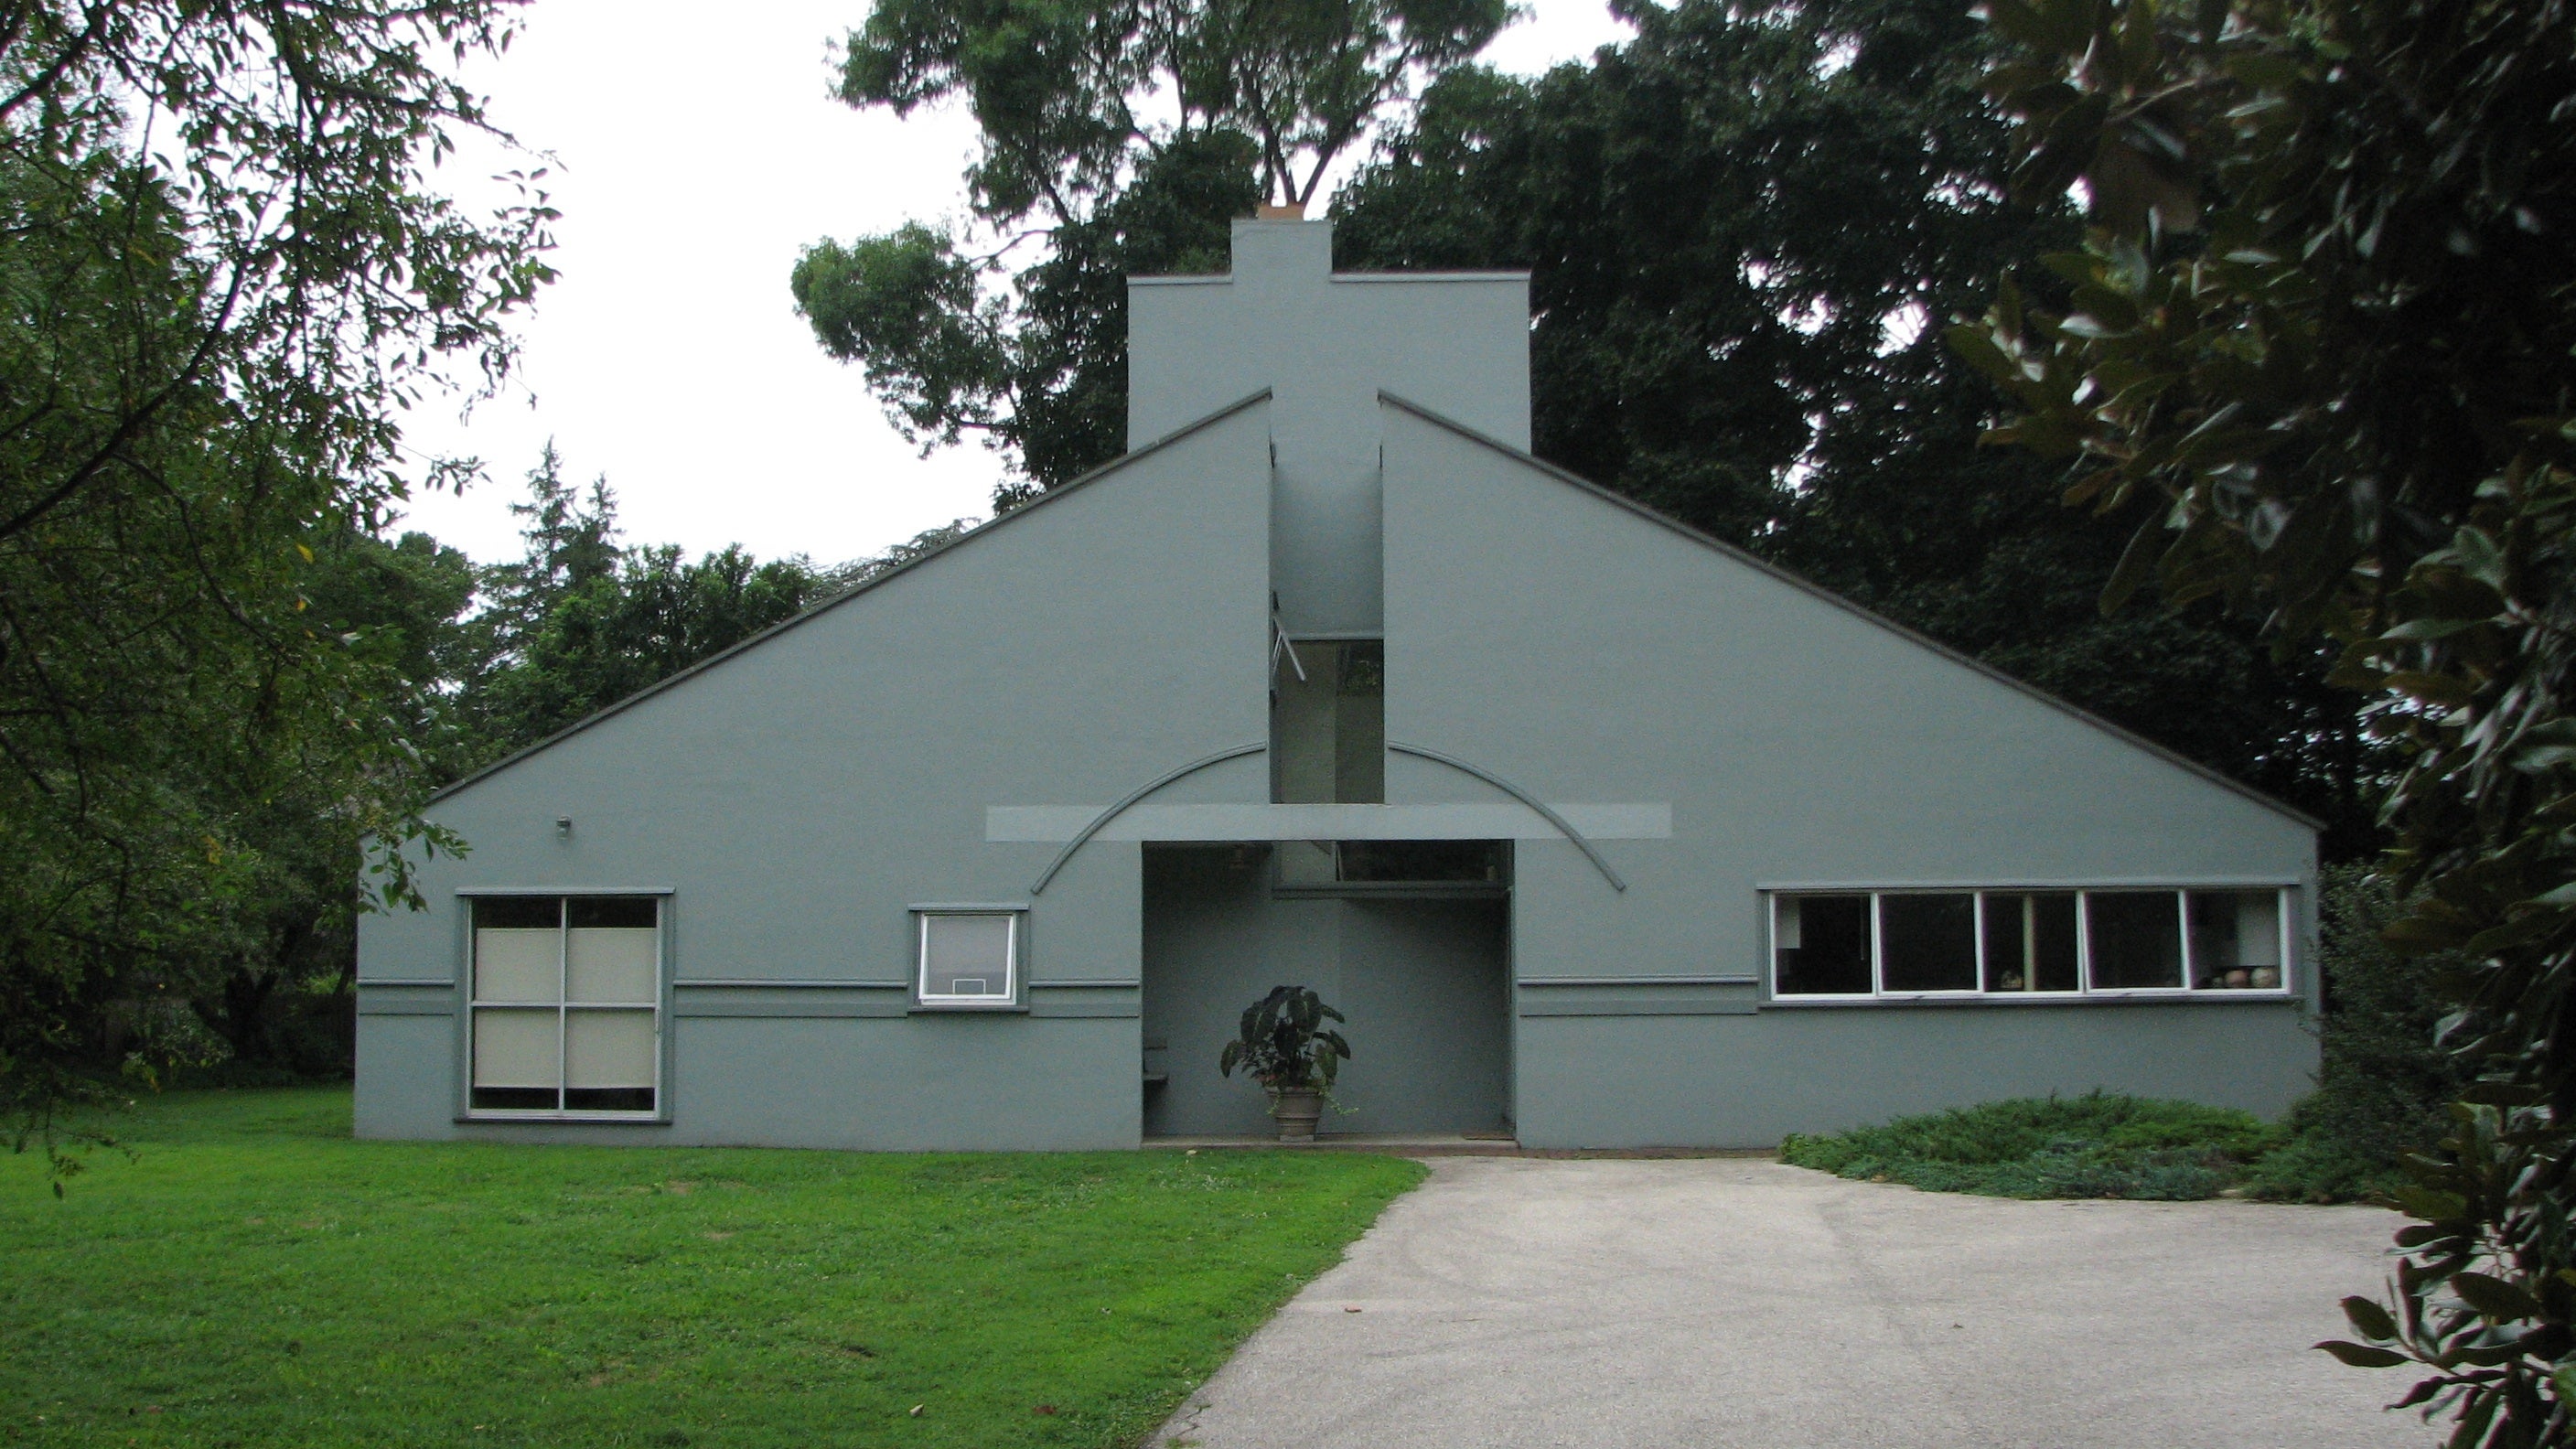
(1421, 969)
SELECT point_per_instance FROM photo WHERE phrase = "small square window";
(2133, 939)
(969, 958)
(1820, 945)
(1927, 942)
(2236, 940)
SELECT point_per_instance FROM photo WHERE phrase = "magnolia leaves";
(2318, 357)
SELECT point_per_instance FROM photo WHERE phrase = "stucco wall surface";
(1586, 652)
(800, 796)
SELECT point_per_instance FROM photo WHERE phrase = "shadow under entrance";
(1420, 967)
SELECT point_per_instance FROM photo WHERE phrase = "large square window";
(969, 958)
(565, 1006)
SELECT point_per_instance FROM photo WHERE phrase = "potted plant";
(1286, 1047)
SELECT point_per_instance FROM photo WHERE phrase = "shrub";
(2382, 1080)
(2098, 1145)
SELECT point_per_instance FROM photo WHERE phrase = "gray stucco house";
(1600, 832)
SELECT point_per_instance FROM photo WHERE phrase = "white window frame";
(564, 1007)
(1014, 966)
(2085, 989)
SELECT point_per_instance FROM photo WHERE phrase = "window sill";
(2034, 1001)
(968, 1008)
(612, 1119)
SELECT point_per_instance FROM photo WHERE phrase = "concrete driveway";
(1715, 1302)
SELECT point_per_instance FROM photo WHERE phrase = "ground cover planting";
(254, 1277)
(2098, 1145)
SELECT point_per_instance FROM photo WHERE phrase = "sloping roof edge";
(1818, 591)
(1061, 490)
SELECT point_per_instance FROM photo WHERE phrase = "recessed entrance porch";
(1420, 967)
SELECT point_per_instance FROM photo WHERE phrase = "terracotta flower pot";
(1296, 1113)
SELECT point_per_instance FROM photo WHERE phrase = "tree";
(1713, 338)
(1122, 139)
(2321, 345)
(227, 275)
(579, 623)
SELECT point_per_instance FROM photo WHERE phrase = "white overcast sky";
(691, 161)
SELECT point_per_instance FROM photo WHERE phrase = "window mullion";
(2084, 942)
(1877, 948)
(563, 990)
(2030, 943)
(2182, 922)
(1977, 923)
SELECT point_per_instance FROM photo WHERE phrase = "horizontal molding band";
(1236, 823)
(2189, 1001)
(420, 983)
(890, 1008)
(1103, 984)
(1704, 1006)
(2090, 883)
(1640, 981)
(775, 1009)
(406, 1006)
(763, 983)
(569, 890)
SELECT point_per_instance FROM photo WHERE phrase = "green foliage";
(1284, 1045)
(1124, 139)
(253, 1272)
(1712, 337)
(2383, 1080)
(2319, 350)
(2097, 1145)
(579, 622)
(1039, 371)
(225, 274)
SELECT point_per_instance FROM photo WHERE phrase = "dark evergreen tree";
(1745, 230)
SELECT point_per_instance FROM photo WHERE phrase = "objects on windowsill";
(1285, 1046)
(2243, 978)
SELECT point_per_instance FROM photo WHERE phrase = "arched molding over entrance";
(1131, 797)
(1101, 821)
(1564, 827)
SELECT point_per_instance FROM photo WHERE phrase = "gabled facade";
(1600, 833)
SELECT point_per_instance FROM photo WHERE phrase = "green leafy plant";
(2320, 353)
(231, 275)
(2383, 1081)
(1284, 1044)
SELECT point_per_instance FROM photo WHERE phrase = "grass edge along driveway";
(256, 1277)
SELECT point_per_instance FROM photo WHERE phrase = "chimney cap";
(1293, 211)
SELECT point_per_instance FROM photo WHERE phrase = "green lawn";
(254, 1277)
